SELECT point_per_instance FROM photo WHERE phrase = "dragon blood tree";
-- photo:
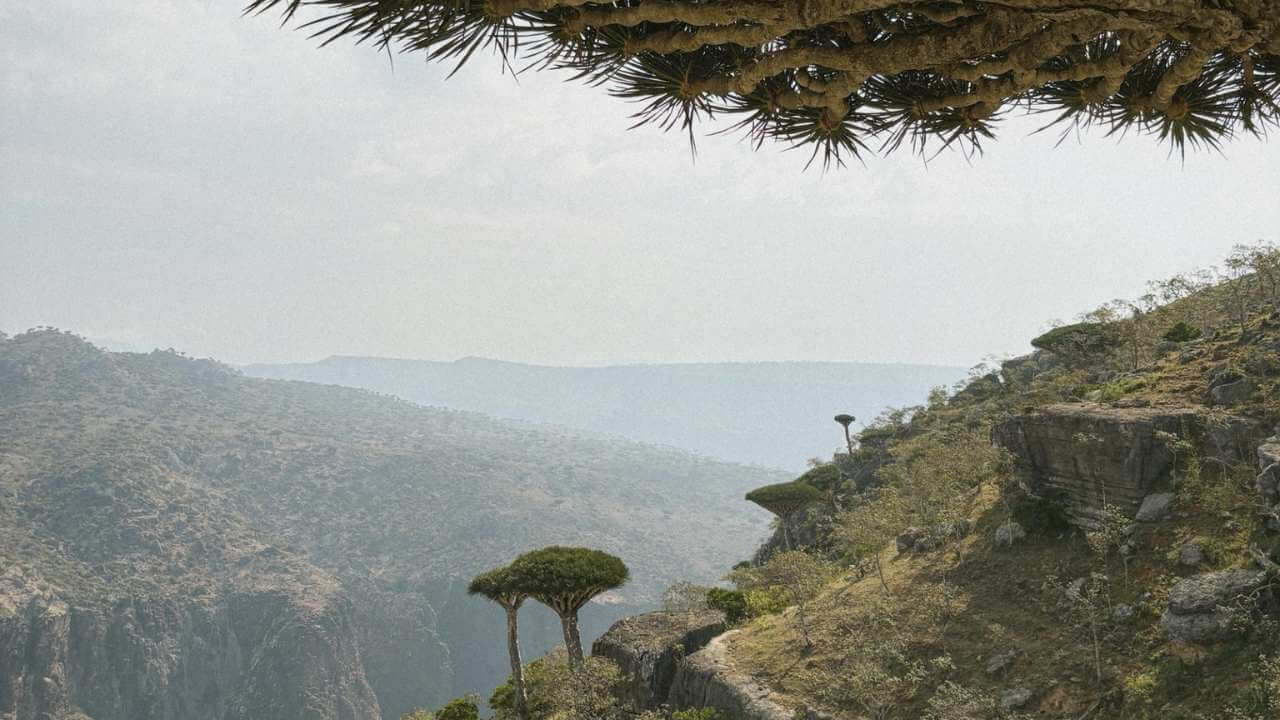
(499, 586)
(845, 421)
(846, 76)
(784, 500)
(565, 579)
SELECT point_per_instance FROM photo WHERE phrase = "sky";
(174, 174)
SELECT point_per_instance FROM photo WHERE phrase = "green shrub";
(823, 477)
(1182, 332)
(1043, 514)
(765, 601)
(459, 709)
(732, 603)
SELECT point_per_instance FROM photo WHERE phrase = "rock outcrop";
(1098, 455)
(648, 649)
(708, 678)
(682, 662)
(1201, 606)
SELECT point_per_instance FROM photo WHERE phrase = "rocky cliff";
(681, 661)
(708, 678)
(250, 655)
(1099, 455)
(649, 648)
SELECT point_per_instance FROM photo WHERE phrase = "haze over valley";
(770, 414)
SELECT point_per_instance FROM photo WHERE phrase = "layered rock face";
(681, 661)
(1200, 606)
(649, 648)
(708, 679)
(253, 655)
(1099, 455)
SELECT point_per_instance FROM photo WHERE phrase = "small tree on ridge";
(498, 585)
(565, 579)
(783, 500)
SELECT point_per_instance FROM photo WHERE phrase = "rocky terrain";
(1092, 530)
(179, 541)
(1097, 455)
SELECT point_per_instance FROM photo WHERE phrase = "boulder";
(1202, 593)
(1001, 662)
(1155, 506)
(1009, 533)
(1191, 554)
(939, 535)
(1200, 606)
(1199, 628)
(1014, 698)
(908, 538)
(1234, 393)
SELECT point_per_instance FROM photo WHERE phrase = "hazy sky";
(174, 174)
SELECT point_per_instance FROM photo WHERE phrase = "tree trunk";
(572, 641)
(786, 535)
(517, 668)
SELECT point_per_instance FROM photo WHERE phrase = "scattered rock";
(1233, 393)
(1203, 592)
(1122, 612)
(1199, 605)
(1189, 356)
(1250, 337)
(1191, 554)
(1014, 698)
(1076, 589)
(1155, 506)
(1009, 533)
(1001, 662)
(938, 535)
(907, 540)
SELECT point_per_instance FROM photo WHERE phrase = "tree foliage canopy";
(498, 585)
(782, 499)
(841, 77)
(565, 578)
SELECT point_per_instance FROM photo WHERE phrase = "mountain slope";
(775, 414)
(141, 480)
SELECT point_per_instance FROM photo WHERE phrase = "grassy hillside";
(158, 472)
(772, 414)
(1069, 621)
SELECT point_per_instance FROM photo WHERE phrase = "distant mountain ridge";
(774, 414)
(180, 541)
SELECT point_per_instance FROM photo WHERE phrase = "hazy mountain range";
(178, 540)
(775, 414)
